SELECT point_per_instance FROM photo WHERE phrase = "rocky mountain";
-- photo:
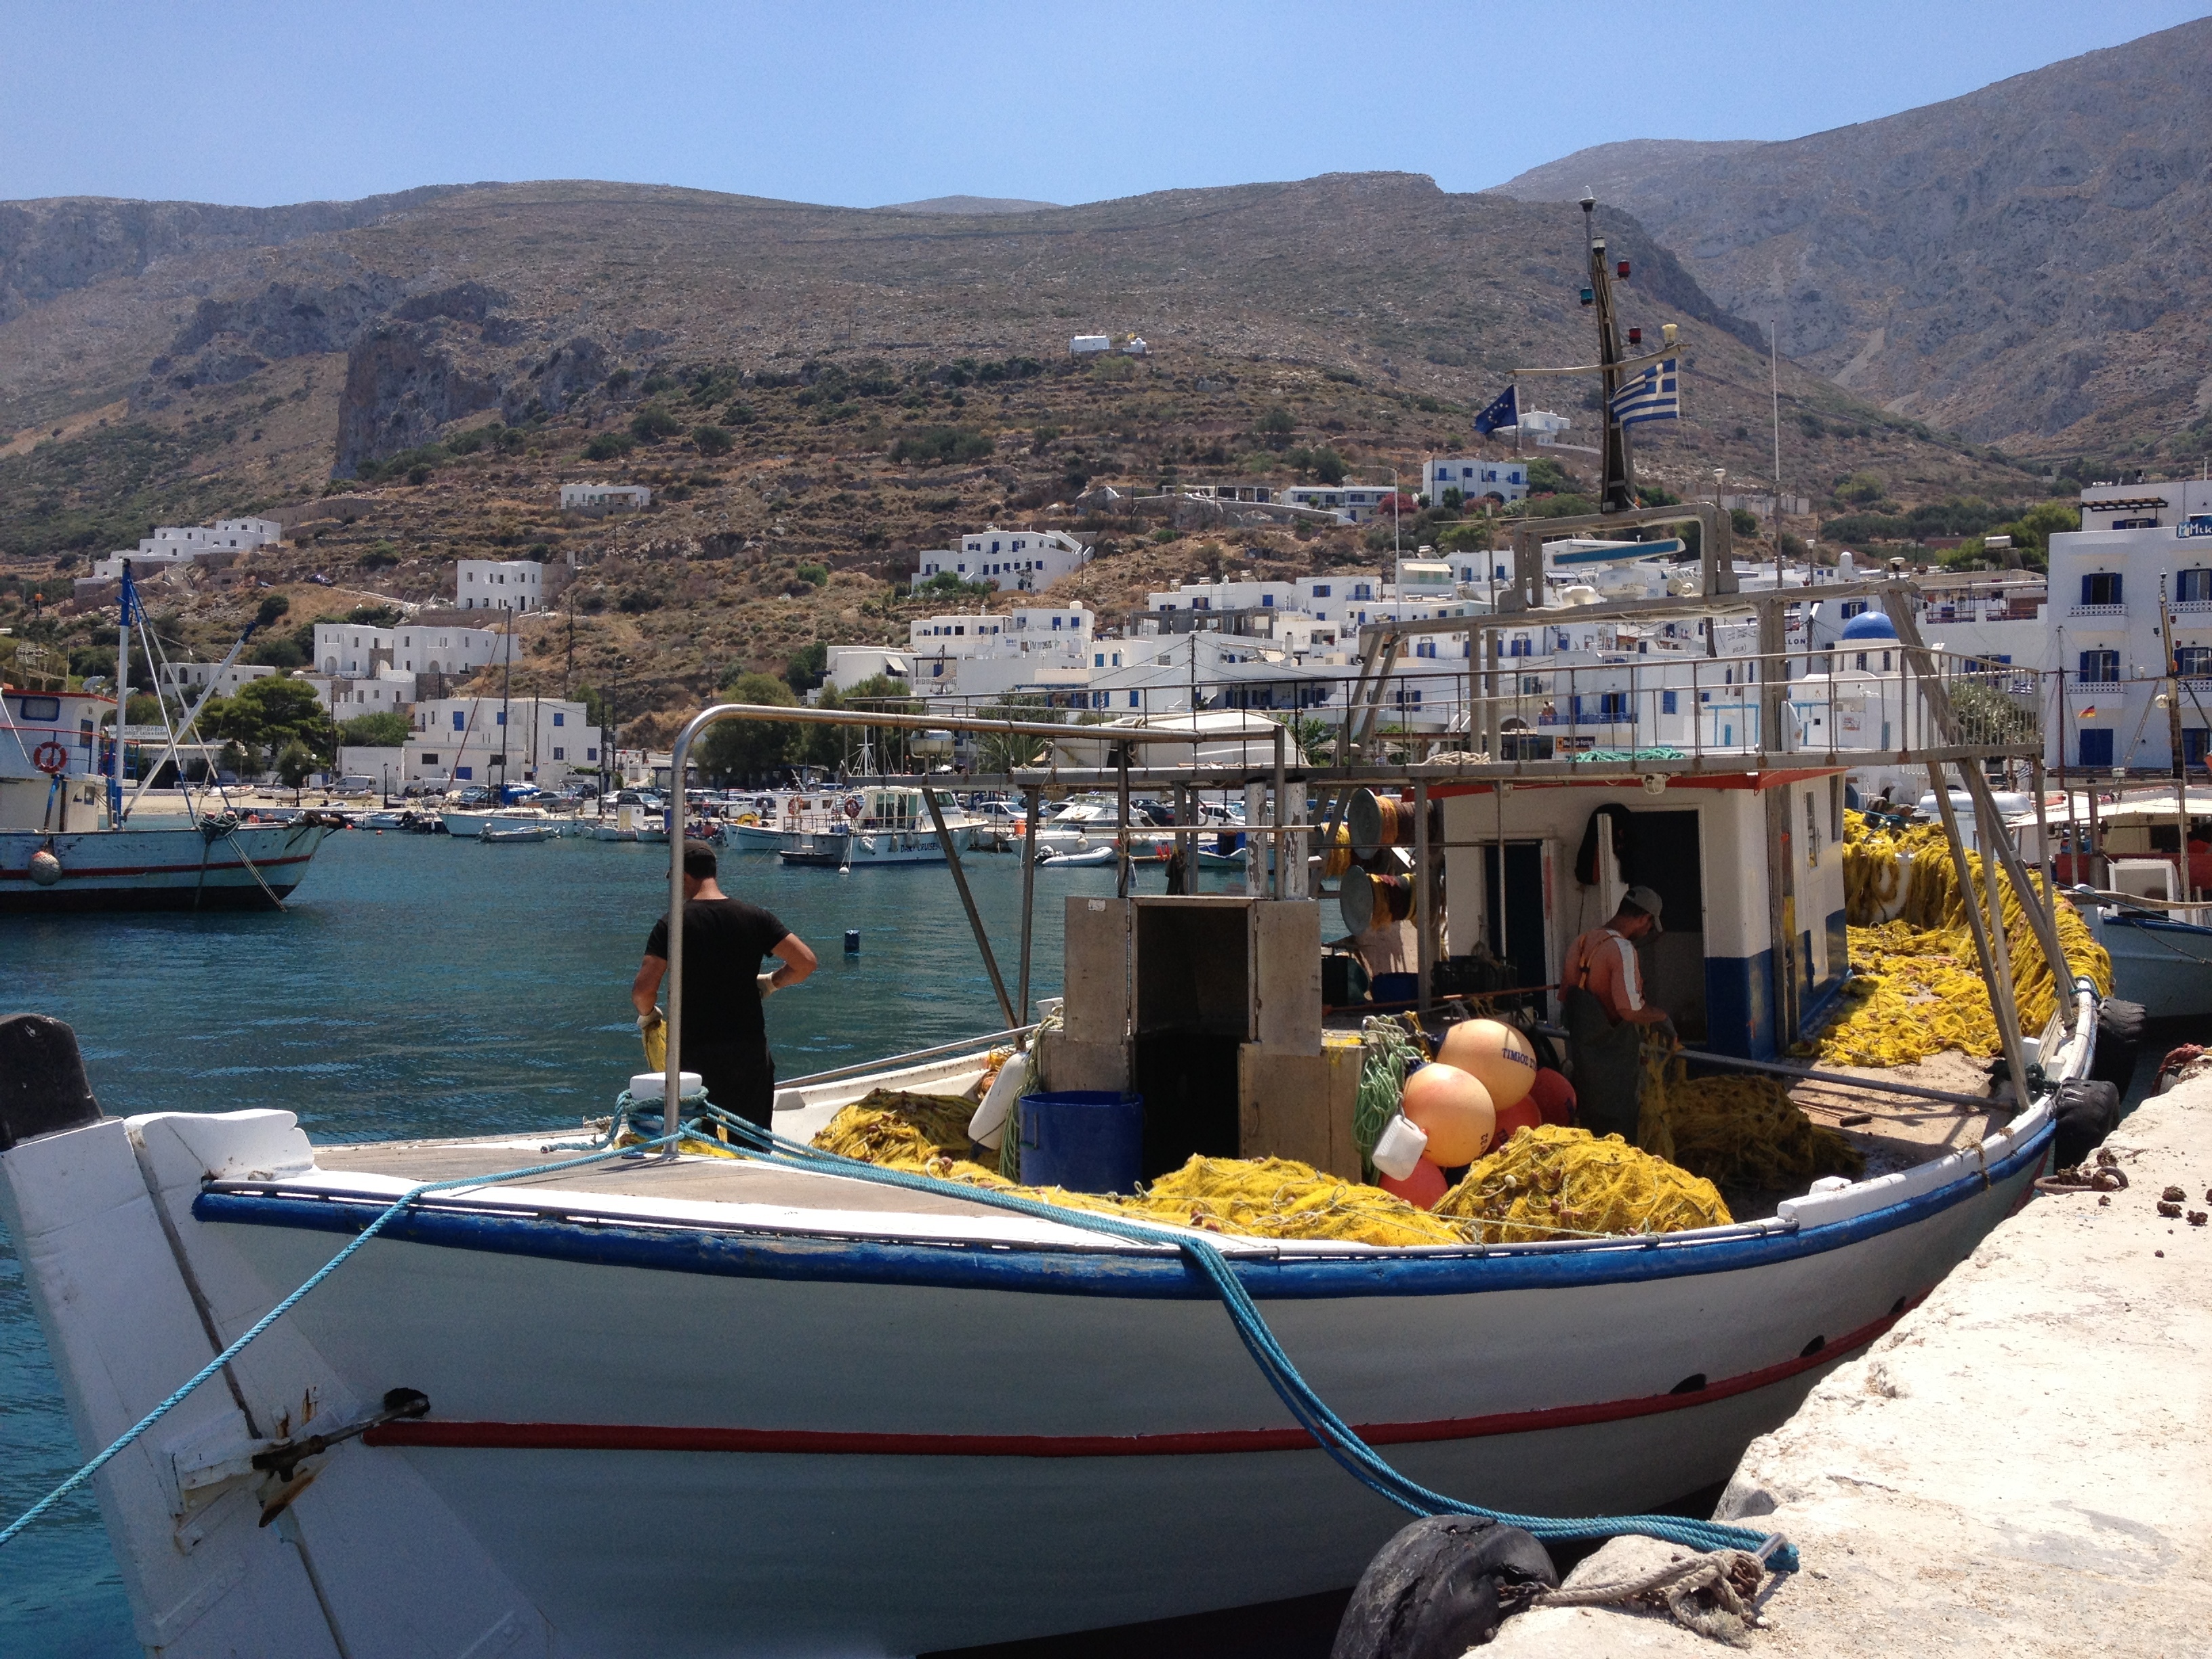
(2020, 265)
(815, 393)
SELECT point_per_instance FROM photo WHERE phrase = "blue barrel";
(1086, 1140)
(1395, 988)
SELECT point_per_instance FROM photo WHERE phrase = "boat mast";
(129, 596)
(505, 683)
(1617, 493)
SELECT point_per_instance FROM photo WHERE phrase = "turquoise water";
(423, 985)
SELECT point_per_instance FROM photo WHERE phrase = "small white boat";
(390, 817)
(1101, 852)
(509, 835)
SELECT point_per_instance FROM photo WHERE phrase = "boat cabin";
(53, 762)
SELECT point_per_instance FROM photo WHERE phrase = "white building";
(1355, 503)
(499, 585)
(609, 496)
(1083, 345)
(1477, 479)
(172, 544)
(191, 681)
(987, 654)
(1012, 560)
(540, 740)
(975, 635)
(2141, 559)
(350, 651)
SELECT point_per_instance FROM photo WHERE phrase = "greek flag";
(1504, 409)
(1654, 395)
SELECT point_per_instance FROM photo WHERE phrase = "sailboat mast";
(1617, 492)
(129, 596)
(506, 685)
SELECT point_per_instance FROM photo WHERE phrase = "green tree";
(1743, 521)
(652, 425)
(1861, 486)
(712, 440)
(383, 730)
(268, 713)
(806, 667)
(272, 607)
(609, 446)
(750, 751)
(294, 763)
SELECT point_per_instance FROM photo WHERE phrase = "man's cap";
(699, 859)
(1646, 900)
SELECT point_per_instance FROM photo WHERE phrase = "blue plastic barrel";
(1086, 1140)
(1395, 988)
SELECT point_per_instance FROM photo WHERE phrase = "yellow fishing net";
(1735, 1131)
(1547, 1180)
(1273, 1197)
(1916, 986)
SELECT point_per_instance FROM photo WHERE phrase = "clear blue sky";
(865, 103)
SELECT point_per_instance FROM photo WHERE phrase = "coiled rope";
(30, 1515)
(1335, 1436)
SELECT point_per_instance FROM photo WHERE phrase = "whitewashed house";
(2141, 562)
(1011, 561)
(541, 740)
(1477, 477)
(610, 497)
(499, 585)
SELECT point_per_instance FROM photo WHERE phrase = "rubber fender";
(2086, 1110)
(2119, 1040)
(1432, 1591)
(43, 1089)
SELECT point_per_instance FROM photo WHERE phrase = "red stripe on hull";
(617, 1436)
(211, 867)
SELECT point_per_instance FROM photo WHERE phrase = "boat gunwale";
(753, 1249)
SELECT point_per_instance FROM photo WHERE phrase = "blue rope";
(277, 1312)
(1331, 1433)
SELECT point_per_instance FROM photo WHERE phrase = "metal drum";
(1376, 822)
(1366, 899)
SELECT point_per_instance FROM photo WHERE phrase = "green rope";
(1391, 1053)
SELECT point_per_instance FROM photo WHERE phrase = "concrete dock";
(2023, 1466)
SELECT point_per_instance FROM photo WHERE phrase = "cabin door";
(1516, 918)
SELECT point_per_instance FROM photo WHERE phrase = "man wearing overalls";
(1601, 1005)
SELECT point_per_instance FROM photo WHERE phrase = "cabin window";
(1836, 807)
(37, 709)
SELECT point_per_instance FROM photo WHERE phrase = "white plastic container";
(653, 1086)
(1399, 1147)
(989, 1127)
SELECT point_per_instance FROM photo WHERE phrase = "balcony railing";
(2082, 610)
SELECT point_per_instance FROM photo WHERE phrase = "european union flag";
(1504, 410)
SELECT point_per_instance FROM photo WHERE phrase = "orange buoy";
(1421, 1189)
(1495, 1055)
(1454, 1110)
(1521, 1114)
(1554, 1096)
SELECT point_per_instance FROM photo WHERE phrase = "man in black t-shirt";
(725, 1036)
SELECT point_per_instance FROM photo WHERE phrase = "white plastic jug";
(988, 1125)
(1399, 1147)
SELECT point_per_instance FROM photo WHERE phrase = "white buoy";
(45, 868)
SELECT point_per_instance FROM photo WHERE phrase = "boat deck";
(696, 1180)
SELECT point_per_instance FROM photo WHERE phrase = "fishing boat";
(516, 835)
(874, 825)
(69, 836)
(2144, 913)
(555, 1397)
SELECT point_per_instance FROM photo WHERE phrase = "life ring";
(852, 806)
(50, 757)
(791, 808)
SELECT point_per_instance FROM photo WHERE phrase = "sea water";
(421, 985)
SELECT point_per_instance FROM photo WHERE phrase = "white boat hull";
(832, 1424)
(159, 868)
(2167, 966)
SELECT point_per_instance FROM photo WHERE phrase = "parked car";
(352, 787)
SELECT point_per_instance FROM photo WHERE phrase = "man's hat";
(1646, 900)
